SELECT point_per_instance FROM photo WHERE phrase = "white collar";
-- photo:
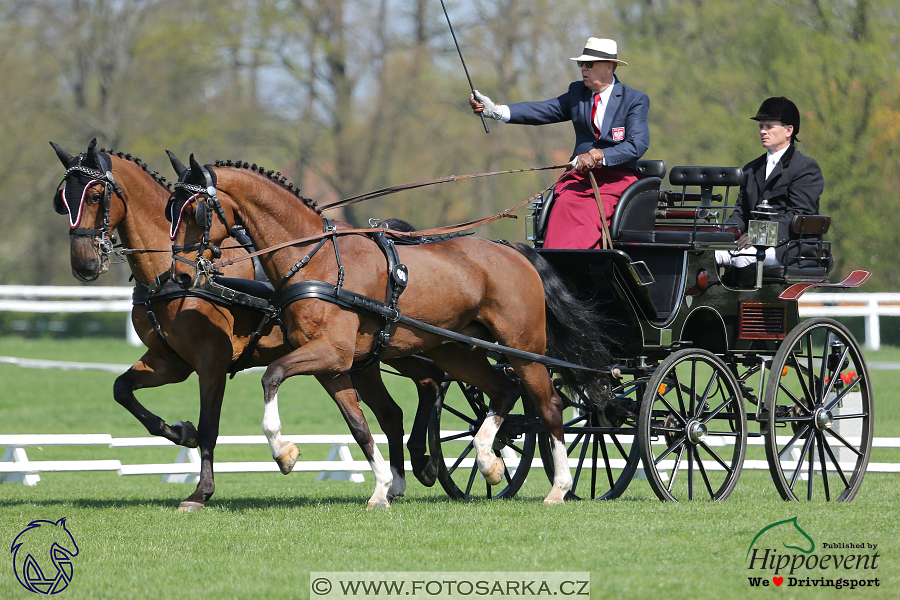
(774, 157)
(605, 94)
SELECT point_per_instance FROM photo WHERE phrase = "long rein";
(437, 231)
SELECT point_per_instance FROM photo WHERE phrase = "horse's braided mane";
(154, 174)
(273, 176)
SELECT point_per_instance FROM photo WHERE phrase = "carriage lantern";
(762, 233)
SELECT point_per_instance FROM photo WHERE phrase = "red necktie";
(594, 116)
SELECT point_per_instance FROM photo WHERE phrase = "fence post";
(873, 332)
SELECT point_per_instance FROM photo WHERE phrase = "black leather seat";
(807, 258)
(636, 209)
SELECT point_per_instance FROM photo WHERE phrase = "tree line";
(347, 96)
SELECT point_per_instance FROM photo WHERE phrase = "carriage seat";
(807, 258)
(651, 173)
(706, 178)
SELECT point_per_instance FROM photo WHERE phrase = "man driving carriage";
(790, 181)
(611, 134)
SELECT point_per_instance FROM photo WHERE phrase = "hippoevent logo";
(782, 553)
(42, 556)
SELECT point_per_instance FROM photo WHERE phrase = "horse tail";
(575, 330)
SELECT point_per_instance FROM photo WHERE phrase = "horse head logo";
(42, 556)
(788, 534)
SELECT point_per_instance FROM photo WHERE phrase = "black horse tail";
(575, 330)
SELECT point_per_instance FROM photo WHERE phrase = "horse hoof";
(186, 507)
(555, 497)
(427, 475)
(494, 474)
(378, 505)
(188, 434)
(287, 459)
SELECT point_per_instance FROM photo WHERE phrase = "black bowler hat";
(779, 109)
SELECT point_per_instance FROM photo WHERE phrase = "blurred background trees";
(347, 96)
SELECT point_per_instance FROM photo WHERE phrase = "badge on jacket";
(618, 134)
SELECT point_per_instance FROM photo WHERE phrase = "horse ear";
(196, 169)
(179, 167)
(67, 159)
(93, 153)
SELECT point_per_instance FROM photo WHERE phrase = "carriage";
(704, 365)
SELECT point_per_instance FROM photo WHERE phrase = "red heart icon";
(778, 580)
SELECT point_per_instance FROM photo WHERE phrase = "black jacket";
(793, 189)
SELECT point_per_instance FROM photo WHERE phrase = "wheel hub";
(696, 431)
(823, 419)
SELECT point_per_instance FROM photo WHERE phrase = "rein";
(414, 234)
(418, 184)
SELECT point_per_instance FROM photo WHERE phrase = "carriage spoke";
(819, 437)
(793, 440)
(794, 398)
(845, 417)
(809, 475)
(457, 436)
(834, 461)
(678, 443)
(703, 473)
(515, 448)
(717, 458)
(675, 469)
(800, 461)
(671, 408)
(596, 442)
(690, 472)
(584, 448)
(844, 392)
(461, 457)
(462, 416)
(792, 358)
(843, 441)
(578, 438)
(719, 409)
(678, 394)
(704, 400)
(472, 479)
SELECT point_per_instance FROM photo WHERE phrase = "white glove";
(491, 110)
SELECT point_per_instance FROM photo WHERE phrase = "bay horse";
(110, 194)
(472, 286)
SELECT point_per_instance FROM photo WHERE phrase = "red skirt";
(575, 221)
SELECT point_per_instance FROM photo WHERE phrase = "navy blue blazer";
(792, 189)
(625, 135)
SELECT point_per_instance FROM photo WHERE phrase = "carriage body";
(702, 359)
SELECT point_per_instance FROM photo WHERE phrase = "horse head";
(195, 231)
(85, 195)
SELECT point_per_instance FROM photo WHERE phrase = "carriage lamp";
(531, 220)
(762, 233)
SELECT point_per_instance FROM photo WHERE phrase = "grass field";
(263, 534)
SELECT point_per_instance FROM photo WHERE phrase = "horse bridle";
(207, 201)
(102, 238)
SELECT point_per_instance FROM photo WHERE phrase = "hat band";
(599, 54)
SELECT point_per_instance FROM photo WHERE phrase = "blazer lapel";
(615, 99)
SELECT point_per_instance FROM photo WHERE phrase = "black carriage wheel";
(818, 389)
(602, 449)
(454, 449)
(692, 431)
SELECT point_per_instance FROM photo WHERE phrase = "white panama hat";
(599, 49)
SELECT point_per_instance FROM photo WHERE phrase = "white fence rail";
(16, 465)
(59, 299)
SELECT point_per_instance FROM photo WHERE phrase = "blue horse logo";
(30, 552)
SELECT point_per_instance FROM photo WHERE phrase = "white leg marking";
(284, 452)
(490, 465)
(383, 481)
(398, 487)
(562, 477)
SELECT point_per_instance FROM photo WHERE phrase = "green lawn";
(264, 533)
